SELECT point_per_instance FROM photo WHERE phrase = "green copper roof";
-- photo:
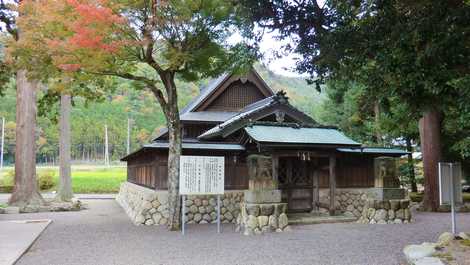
(374, 150)
(303, 135)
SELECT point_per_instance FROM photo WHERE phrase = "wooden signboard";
(201, 175)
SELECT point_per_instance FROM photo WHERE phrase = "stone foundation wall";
(203, 209)
(386, 212)
(259, 218)
(350, 201)
(145, 206)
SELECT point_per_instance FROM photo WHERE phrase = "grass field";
(85, 178)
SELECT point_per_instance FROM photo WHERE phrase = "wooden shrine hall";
(237, 116)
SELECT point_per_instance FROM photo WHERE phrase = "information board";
(450, 182)
(202, 175)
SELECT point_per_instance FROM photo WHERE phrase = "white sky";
(284, 64)
(274, 56)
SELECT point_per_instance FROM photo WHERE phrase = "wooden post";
(332, 183)
(316, 188)
(275, 166)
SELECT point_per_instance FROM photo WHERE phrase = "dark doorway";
(296, 183)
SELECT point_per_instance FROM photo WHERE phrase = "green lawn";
(89, 179)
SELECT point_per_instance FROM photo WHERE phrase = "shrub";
(418, 197)
(46, 179)
(8, 178)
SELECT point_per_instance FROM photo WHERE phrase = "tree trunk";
(174, 148)
(430, 134)
(378, 134)
(64, 192)
(25, 193)
(411, 166)
(174, 153)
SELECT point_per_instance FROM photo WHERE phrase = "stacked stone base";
(386, 212)
(145, 206)
(203, 209)
(259, 218)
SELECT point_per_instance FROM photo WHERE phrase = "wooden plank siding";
(150, 170)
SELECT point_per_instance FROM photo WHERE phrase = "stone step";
(306, 219)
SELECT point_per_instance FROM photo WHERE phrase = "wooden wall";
(353, 171)
(150, 170)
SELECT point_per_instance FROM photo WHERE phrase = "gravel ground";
(104, 235)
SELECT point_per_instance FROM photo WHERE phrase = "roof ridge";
(292, 124)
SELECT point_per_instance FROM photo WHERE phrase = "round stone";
(163, 221)
(400, 214)
(391, 214)
(381, 215)
(210, 208)
(228, 216)
(283, 221)
(252, 222)
(189, 216)
(272, 221)
(214, 216)
(156, 218)
(252, 210)
(266, 229)
(263, 220)
(155, 204)
(407, 214)
(197, 217)
(445, 238)
(188, 203)
(149, 222)
(197, 202)
(202, 209)
(212, 201)
(193, 209)
(207, 217)
(140, 219)
(205, 202)
(397, 221)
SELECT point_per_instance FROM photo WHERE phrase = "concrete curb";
(15, 251)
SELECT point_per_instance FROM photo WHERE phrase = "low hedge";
(418, 196)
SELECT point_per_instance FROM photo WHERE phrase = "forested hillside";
(90, 118)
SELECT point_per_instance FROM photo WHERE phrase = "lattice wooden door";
(295, 181)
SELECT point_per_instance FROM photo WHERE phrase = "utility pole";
(2, 143)
(106, 153)
(128, 136)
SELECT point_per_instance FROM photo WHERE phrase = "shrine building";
(317, 168)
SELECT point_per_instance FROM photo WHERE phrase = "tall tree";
(64, 193)
(25, 192)
(416, 51)
(93, 39)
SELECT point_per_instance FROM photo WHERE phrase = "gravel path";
(104, 235)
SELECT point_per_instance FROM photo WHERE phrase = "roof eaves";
(217, 130)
